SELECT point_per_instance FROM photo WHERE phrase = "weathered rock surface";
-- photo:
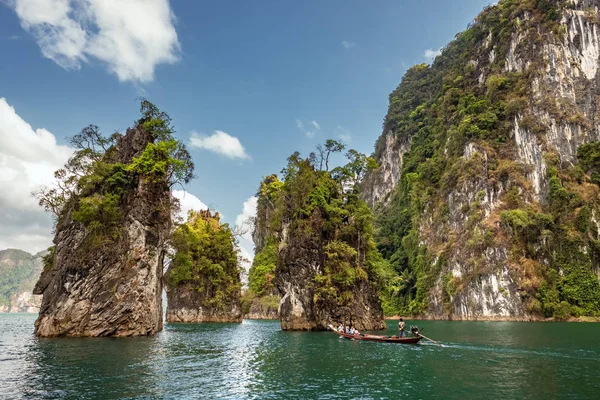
(300, 261)
(264, 308)
(114, 289)
(185, 304)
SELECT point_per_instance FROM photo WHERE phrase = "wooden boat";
(382, 339)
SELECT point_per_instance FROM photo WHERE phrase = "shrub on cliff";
(93, 183)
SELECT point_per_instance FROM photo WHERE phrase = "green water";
(256, 360)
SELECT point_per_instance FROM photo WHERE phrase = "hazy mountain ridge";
(19, 271)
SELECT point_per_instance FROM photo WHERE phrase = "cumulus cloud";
(28, 159)
(244, 222)
(430, 54)
(348, 45)
(299, 124)
(187, 202)
(221, 143)
(316, 125)
(130, 37)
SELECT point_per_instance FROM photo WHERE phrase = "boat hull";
(381, 339)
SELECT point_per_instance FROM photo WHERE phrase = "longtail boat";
(382, 339)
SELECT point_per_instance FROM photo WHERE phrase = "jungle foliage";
(93, 183)
(206, 260)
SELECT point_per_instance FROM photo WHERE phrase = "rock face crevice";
(113, 288)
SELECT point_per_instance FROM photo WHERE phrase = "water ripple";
(256, 360)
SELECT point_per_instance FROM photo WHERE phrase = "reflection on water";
(257, 360)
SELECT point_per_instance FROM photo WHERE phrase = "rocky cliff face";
(491, 132)
(112, 286)
(300, 263)
(265, 307)
(186, 304)
(18, 273)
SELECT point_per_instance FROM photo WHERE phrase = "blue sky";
(255, 70)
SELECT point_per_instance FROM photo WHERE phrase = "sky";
(246, 83)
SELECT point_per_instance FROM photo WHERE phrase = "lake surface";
(256, 360)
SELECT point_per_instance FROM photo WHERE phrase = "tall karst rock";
(104, 274)
(314, 243)
(486, 192)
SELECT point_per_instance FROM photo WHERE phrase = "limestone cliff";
(104, 274)
(481, 192)
(203, 281)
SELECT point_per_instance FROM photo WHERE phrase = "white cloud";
(221, 143)
(131, 37)
(28, 159)
(430, 54)
(308, 133)
(187, 202)
(343, 134)
(245, 222)
(347, 45)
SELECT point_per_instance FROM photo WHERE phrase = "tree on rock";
(327, 266)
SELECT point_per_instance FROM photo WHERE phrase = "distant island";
(19, 271)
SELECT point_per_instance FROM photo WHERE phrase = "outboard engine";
(415, 330)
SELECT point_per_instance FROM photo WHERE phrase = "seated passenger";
(351, 330)
(340, 328)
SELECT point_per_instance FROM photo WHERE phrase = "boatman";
(401, 328)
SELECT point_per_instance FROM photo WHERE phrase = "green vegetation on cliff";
(94, 183)
(321, 210)
(206, 260)
(443, 108)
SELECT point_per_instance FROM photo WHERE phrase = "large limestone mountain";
(19, 271)
(110, 283)
(486, 192)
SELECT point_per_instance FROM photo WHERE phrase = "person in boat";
(340, 328)
(401, 328)
(351, 331)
